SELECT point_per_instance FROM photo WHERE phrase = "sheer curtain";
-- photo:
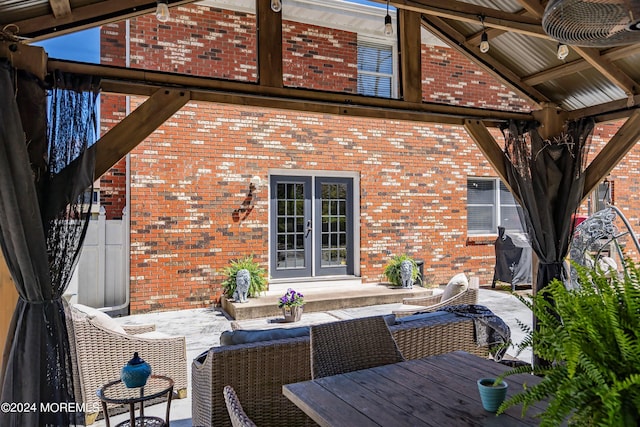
(46, 176)
(547, 176)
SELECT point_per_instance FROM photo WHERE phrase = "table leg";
(141, 403)
(166, 418)
(106, 414)
(132, 414)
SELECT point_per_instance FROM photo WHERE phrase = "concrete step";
(332, 296)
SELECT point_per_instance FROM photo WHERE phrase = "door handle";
(309, 228)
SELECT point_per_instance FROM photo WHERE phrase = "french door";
(311, 226)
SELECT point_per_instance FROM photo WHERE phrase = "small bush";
(257, 273)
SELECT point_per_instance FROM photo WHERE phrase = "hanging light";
(388, 27)
(162, 11)
(563, 51)
(276, 5)
(484, 40)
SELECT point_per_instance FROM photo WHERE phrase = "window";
(601, 197)
(375, 69)
(489, 205)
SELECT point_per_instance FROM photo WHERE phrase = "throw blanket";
(490, 329)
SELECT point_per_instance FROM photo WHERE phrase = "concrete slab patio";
(202, 328)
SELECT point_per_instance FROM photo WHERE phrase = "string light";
(388, 27)
(484, 40)
(162, 11)
(276, 5)
(563, 51)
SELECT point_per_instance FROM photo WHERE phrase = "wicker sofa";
(103, 346)
(257, 371)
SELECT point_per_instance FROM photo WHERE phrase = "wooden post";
(8, 299)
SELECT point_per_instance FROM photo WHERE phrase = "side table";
(116, 392)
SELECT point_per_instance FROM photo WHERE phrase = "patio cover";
(44, 174)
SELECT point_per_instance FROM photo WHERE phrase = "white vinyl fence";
(100, 279)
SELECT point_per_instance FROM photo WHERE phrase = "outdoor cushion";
(458, 284)
(153, 335)
(100, 318)
(242, 336)
(420, 316)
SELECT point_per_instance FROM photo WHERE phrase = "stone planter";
(292, 314)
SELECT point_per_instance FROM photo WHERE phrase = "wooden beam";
(612, 153)
(552, 120)
(608, 69)
(485, 61)
(619, 108)
(490, 148)
(60, 8)
(88, 16)
(132, 81)
(469, 13)
(32, 59)
(269, 44)
(8, 299)
(534, 7)
(578, 65)
(410, 55)
(134, 128)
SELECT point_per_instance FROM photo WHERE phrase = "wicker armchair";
(237, 415)
(468, 295)
(103, 347)
(351, 345)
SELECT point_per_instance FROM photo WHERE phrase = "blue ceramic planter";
(490, 395)
(136, 372)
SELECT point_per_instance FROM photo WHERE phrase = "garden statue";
(243, 279)
(406, 273)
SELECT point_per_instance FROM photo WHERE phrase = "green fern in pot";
(258, 276)
(392, 270)
(591, 339)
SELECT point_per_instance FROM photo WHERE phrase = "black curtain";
(46, 179)
(547, 176)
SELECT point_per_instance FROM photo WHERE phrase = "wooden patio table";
(433, 391)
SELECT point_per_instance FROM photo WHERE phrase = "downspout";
(126, 213)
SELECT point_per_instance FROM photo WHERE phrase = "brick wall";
(190, 176)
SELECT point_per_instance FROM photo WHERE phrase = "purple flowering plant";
(291, 299)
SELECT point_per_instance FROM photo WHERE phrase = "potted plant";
(292, 305)
(589, 339)
(258, 282)
(392, 270)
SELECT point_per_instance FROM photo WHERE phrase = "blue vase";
(135, 372)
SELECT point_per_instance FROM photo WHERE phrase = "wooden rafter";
(490, 148)
(611, 154)
(60, 8)
(608, 69)
(457, 41)
(138, 125)
(88, 16)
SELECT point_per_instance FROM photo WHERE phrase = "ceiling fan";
(593, 23)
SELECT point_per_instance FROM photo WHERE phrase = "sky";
(82, 46)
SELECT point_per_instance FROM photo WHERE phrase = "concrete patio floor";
(202, 328)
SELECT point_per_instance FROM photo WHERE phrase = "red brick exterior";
(189, 176)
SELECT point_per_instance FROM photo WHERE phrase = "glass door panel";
(334, 235)
(291, 213)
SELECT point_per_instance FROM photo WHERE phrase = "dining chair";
(238, 417)
(351, 345)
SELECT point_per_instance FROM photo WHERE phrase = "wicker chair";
(103, 347)
(350, 345)
(237, 415)
(469, 295)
